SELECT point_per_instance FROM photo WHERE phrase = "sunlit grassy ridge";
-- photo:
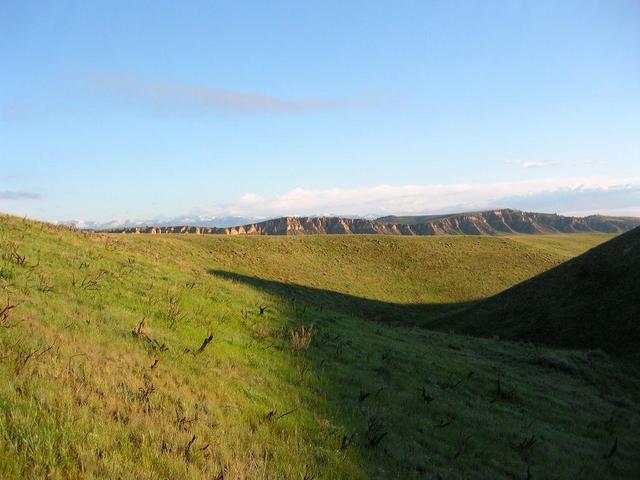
(106, 372)
(392, 269)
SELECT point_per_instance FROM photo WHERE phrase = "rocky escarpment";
(493, 222)
(506, 221)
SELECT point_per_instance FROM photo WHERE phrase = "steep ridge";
(590, 302)
(515, 221)
(493, 222)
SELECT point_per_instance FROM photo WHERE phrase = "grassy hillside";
(410, 270)
(151, 357)
(592, 301)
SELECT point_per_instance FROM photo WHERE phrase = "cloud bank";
(172, 95)
(531, 165)
(553, 195)
(13, 195)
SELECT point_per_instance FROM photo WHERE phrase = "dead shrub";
(301, 337)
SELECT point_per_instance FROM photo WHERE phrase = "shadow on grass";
(418, 314)
(348, 369)
(374, 430)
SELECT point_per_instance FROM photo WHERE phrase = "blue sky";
(135, 110)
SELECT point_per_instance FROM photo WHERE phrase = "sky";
(116, 111)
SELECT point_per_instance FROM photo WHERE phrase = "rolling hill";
(589, 302)
(493, 222)
(184, 356)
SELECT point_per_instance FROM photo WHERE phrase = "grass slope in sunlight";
(190, 357)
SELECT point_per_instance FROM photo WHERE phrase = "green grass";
(590, 301)
(567, 246)
(373, 396)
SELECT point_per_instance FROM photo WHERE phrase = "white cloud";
(173, 95)
(14, 195)
(531, 165)
(552, 194)
(249, 199)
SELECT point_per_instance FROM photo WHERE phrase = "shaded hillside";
(589, 302)
(494, 222)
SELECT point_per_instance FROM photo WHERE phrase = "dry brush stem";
(347, 441)
(273, 414)
(23, 357)
(174, 312)
(182, 421)
(301, 337)
(426, 397)
(502, 393)
(612, 452)
(13, 255)
(5, 312)
(450, 418)
(205, 342)
(187, 449)
(375, 432)
(152, 343)
(44, 283)
(138, 331)
(90, 281)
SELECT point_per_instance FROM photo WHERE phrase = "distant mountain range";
(491, 222)
(188, 220)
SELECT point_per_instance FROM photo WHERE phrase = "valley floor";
(209, 357)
